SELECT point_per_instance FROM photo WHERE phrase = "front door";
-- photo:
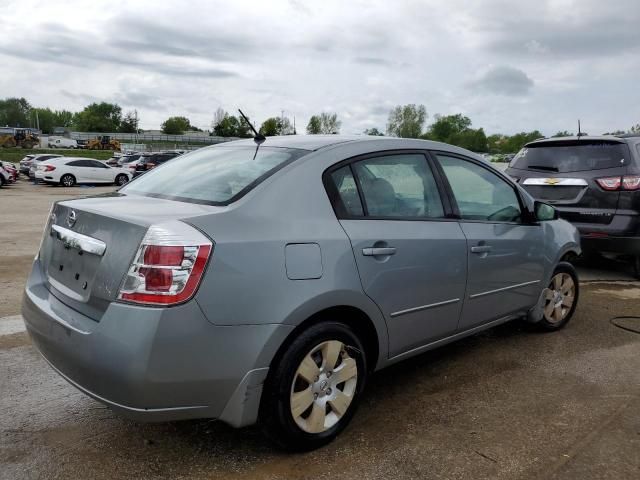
(411, 259)
(505, 254)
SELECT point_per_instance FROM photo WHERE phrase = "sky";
(508, 65)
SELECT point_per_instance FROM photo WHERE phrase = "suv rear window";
(572, 156)
(212, 176)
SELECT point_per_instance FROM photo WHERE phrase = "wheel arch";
(359, 320)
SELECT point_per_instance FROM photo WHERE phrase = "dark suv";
(594, 183)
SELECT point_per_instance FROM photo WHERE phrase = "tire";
(561, 298)
(636, 266)
(329, 400)
(67, 180)
(121, 179)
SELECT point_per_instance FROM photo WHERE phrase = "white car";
(62, 142)
(68, 171)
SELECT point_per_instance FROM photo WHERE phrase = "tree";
(48, 119)
(373, 132)
(229, 126)
(446, 126)
(563, 133)
(14, 112)
(314, 127)
(99, 117)
(456, 130)
(219, 115)
(406, 121)
(175, 125)
(635, 128)
(129, 123)
(325, 123)
(276, 126)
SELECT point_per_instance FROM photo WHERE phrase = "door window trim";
(335, 199)
(526, 218)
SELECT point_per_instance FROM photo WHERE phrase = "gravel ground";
(507, 403)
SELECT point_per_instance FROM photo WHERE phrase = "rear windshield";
(213, 176)
(571, 157)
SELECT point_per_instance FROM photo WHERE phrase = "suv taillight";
(168, 266)
(628, 182)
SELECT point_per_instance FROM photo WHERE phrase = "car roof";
(317, 142)
(582, 138)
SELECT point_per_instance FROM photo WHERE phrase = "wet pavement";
(508, 403)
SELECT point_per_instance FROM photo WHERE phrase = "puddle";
(630, 324)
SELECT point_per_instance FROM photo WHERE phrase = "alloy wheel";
(323, 387)
(559, 297)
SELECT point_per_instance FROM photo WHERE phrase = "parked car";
(62, 142)
(68, 171)
(130, 157)
(11, 170)
(5, 176)
(593, 182)
(250, 283)
(150, 161)
(33, 162)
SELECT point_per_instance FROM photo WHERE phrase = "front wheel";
(560, 298)
(68, 180)
(313, 390)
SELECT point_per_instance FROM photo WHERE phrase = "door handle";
(481, 249)
(375, 251)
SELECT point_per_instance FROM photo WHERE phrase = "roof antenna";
(258, 137)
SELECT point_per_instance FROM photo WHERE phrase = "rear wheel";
(121, 179)
(68, 180)
(313, 390)
(561, 298)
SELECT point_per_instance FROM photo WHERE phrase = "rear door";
(82, 170)
(505, 254)
(411, 258)
(565, 173)
(101, 172)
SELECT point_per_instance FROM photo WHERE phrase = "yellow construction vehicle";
(103, 142)
(21, 138)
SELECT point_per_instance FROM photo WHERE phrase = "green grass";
(16, 154)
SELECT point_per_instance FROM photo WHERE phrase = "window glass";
(570, 156)
(97, 164)
(349, 202)
(480, 193)
(399, 186)
(212, 175)
(76, 163)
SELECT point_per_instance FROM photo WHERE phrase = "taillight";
(631, 182)
(49, 168)
(628, 182)
(609, 183)
(168, 266)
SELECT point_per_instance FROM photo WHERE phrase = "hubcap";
(323, 387)
(559, 297)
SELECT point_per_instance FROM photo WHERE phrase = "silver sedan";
(265, 282)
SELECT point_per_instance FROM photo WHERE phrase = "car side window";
(348, 203)
(480, 194)
(398, 186)
(96, 164)
(76, 163)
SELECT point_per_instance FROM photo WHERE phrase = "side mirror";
(545, 212)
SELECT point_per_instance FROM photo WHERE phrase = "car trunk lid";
(89, 245)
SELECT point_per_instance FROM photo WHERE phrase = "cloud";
(503, 80)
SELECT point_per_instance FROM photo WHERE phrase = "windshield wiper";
(542, 167)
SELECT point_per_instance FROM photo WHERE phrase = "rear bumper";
(153, 364)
